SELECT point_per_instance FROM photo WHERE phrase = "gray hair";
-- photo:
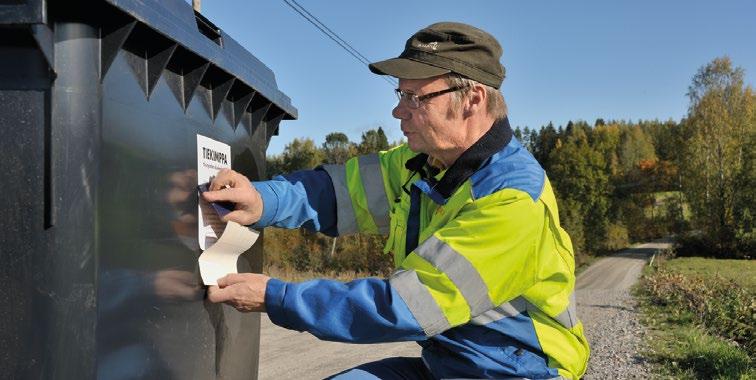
(496, 105)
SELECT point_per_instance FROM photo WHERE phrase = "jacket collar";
(468, 163)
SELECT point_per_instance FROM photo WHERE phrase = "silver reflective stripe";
(512, 308)
(460, 271)
(568, 318)
(346, 221)
(372, 182)
(419, 301)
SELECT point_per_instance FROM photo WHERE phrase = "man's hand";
(233, 187)
(244, 291)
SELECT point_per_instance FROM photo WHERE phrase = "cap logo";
(431, 45)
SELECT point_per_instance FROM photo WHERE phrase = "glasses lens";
(414, 101)
(410, 99)
(407, 97)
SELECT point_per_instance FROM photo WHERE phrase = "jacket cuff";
(270, 203)
(275, 291)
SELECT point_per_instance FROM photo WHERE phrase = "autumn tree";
(635, 147)
(717, 163)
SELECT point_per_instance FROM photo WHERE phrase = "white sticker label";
(212, 156)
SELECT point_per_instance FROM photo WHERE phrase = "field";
(742, 272)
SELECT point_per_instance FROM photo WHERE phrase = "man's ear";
(476, 101)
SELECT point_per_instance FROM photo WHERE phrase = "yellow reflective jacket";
(484, 272)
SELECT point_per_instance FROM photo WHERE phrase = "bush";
(695, 243)
(722, 306)
(303, 251)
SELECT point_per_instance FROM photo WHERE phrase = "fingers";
(247, 200)
(216, 294)
(235, 195)
(228, 177)
(224, 177)
(234, 278)
(247, 294)
(242, 217)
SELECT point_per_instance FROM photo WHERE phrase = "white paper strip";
(212, 156)
(220, 258)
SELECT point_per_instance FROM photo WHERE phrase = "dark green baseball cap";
(447, 47)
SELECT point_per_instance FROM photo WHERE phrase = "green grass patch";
(700, 316)
(742, 272)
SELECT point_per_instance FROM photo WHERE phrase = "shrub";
(304, 251)
(696, 243)
(722, 306)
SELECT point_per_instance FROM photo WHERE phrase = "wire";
(334, 37)
(361, 57)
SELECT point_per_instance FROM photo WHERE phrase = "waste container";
(101, 106)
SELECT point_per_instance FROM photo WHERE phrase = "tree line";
(617, 181)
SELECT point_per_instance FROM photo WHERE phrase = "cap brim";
(404, 68)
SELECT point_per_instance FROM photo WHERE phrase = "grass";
(688, 352)
(699, 314)
(742, 272)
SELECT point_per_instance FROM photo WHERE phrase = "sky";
(565, 60)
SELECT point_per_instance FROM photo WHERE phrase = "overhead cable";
(333, 36)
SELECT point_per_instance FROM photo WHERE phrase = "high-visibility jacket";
(484, 277)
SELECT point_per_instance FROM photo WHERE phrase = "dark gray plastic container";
(100, 106)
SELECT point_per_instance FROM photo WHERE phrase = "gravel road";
(604, 305)
(609, 315)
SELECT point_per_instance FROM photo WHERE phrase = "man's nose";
(401, 112)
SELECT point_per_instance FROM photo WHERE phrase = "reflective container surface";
(100, 108)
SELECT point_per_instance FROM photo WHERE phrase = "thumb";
(242, 217)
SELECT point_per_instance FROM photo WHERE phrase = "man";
(484, 275)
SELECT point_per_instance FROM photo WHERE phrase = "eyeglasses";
(414, 101)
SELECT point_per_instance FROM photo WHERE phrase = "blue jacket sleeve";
(300, 199)
(366, 310)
